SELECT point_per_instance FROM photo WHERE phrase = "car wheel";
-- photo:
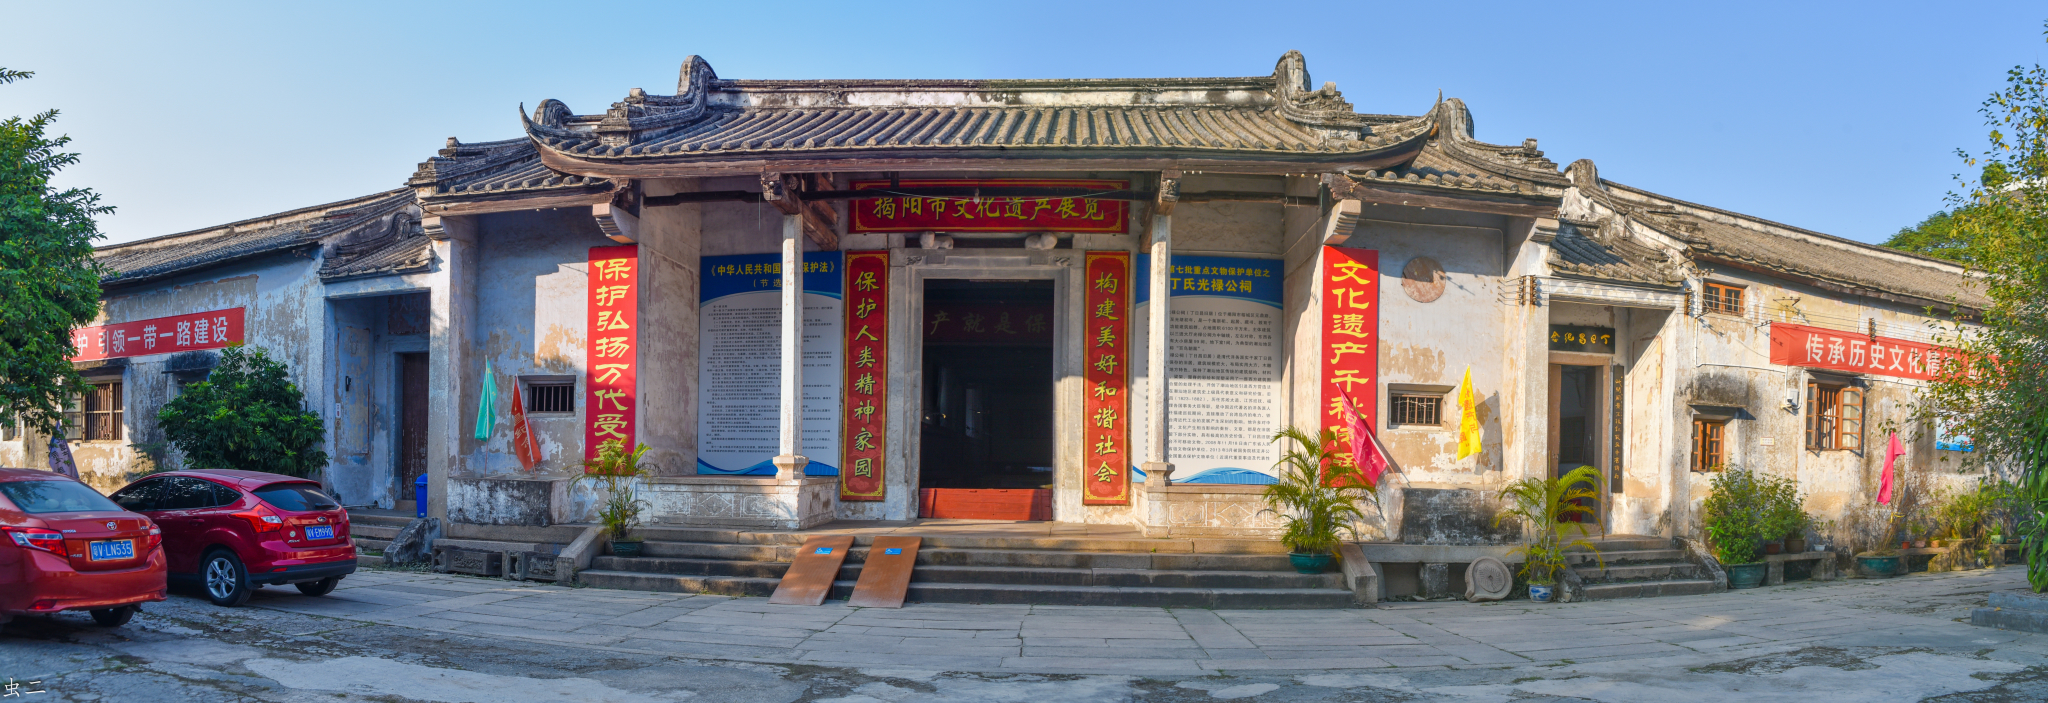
(226, 580)
(319, 588)
(113, 617)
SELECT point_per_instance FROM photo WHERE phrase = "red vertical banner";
(1106, 425)
(867, 376)
(1351, 331)
(610, 397)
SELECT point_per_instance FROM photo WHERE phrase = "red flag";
(1892, 451)
(1366, 453)
(522, 435)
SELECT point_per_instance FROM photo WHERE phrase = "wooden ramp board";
(885, 576)
(810, 575)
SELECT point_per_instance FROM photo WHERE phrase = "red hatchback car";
(234, 531)
(63, 546)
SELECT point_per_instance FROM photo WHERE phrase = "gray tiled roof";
(396, 244)
(162, 257)
(1577, 253)
(500, 167)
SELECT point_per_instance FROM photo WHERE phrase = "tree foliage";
(1316, 494)
(1935, 236)
(247, 416)
(1543, 506)
(1995, 395)
(49, 282)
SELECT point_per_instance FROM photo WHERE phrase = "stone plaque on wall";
(1580, 338)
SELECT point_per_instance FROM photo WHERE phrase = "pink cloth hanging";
(1892, 451)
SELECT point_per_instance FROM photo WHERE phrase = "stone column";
(789, 462)
(1157, 471)
(453, 366)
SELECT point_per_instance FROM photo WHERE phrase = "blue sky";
(1838, 117)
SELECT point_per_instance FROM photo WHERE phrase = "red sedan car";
(235, 531)
(63, 546)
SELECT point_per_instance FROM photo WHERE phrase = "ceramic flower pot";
(1795, 545)
(1309, 563)
(626, 549)
(1773, 547)
(1542, 593)
(1881, 567)
(1919, 544)
(1746, 575)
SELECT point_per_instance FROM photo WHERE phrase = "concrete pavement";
(398, 636)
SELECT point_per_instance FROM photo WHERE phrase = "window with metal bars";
(95, 413)
(1415, 409)
(551, 398)
(1834, 417)
(1709, 447)
(1724, 298)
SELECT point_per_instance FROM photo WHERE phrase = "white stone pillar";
(789, 463)
(1157, 471)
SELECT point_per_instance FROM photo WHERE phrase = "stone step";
(719, 550)
(996, 593)
(374, 531)
(380, 517)
(495, 546)
(373, 544)
(1628, 556)
(675, 566)
(1624, 543)
(1035, 558)
(368, 560)
(1659, 571)
(673, 533)
(1649, 589)
(1038, 576)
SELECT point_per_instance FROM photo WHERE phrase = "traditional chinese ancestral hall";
(1086, 302)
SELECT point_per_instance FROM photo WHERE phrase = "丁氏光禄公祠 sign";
(611, 396)
(1105, 406)
(214, 329)
(1814, 347)
(910, 213)
(1222, 366)
(867, 376)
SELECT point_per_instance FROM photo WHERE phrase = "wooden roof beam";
(784, 191)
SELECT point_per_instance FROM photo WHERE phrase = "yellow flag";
(1468, 418)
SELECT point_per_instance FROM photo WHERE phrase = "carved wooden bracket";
(1342, 220)
(785, 192)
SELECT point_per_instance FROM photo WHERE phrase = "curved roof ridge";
(1742, 219)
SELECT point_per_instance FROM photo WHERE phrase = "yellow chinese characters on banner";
(610, 398)
(867, 376)
(1106, 424)
(1351, 329)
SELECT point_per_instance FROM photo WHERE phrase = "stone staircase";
(373, 530)
(1637, 567)
(1186, 573)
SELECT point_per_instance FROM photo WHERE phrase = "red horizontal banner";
(160, 335)
(1814, 347)
(992, 214)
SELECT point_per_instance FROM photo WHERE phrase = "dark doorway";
(987, 431)
(412, 422)
(1578, 411)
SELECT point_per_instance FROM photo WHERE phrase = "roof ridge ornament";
(1324, 108)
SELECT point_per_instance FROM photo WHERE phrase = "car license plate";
(319, 532)
(115, 549)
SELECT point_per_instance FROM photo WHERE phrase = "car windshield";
(57, 497)
(296, 497)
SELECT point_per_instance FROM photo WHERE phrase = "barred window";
(1709, 445)
(1723, 298)
(95, 413)
(551, 397)
(1415, 409)
(1834, 417)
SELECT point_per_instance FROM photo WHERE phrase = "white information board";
(739, 363)
(1223, 368)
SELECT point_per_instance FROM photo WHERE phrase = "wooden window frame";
(1834, 416)
(1433, 401)
(96, 412)
(1709, 444)
(1723, 298)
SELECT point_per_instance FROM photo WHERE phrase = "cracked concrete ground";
(397, 636)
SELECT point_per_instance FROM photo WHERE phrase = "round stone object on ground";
(1488, 579)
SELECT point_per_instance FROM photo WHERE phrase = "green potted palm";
(1736, 516)
(1317, 495)
(1542, 506)
(618, 473)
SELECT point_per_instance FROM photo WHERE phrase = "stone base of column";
(1157, 473)
(790, 467)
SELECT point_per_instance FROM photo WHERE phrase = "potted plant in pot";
(618, 473)
(1318, 497)
(1736, 519)
(1784, 514)
(1542, 506)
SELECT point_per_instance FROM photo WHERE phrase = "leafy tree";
(245, 415)
(1935, 236)
(1994, 395)
(49, 282)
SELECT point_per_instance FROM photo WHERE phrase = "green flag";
(487, 405)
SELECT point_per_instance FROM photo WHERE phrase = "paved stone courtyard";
(403, 636)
